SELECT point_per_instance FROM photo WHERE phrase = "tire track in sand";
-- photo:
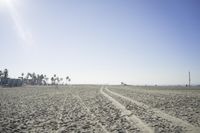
(89, 112)
(60, 114)
(176, 121)
(128, 114)
(60, 117)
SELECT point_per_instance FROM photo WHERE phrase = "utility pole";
(189, 79)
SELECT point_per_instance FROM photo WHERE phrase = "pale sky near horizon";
(102, 41)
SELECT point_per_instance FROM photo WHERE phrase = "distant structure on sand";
(122, 83)
(189, 79)
(8, 82)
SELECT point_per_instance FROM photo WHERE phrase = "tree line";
(30, 79)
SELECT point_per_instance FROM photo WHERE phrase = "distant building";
(8, 82)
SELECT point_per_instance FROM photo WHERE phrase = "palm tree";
(5, 73)
(34, 78)
(1, 73)
(27, 80)
(45, 80)
(4, 77)
(22, 77)
(37, 79)
(41, 78)
(52, 80)
(55, 78)
(67, 79)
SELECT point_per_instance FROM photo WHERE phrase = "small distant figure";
(122, 83)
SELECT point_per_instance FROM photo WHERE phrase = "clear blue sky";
(102, 41)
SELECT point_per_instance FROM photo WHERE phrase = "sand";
(99, 109)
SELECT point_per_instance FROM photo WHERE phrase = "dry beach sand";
(100, 109)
